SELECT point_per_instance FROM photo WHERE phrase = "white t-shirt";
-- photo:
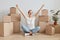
(30, 22)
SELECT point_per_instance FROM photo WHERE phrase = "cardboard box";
(43, 21)
(12, 10)
(44, 12)
(42, 26)
(16, 27)
(15, 17)
(57, 28)
(6, 29)
(43, 18)
(6, 18)
(50, 30)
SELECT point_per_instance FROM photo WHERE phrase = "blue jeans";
(27, 30)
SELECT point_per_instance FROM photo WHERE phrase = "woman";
(30, 27)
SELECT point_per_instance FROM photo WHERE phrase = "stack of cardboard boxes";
(43, 20)
(10, 23)
(6, 26)
(15, 18)
(44, 23)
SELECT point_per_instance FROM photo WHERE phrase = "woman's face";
(30, 13)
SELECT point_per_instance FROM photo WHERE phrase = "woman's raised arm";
(20, 11)
(39, 10)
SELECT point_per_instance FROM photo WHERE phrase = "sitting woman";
(30, 27)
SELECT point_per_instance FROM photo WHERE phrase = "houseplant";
(55, 17)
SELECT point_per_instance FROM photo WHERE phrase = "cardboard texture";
(42, 26)
(16, 22)
(43, 18)
(44, 12)
(6, 18)
(6, 29)
(1, 29)
(57, 28)
(12, 10)
(15, 17)
(16, 27)
(50, 30)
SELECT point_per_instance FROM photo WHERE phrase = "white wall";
(27, 4)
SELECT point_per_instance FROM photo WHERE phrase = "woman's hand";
(16, 5)
(42, 6)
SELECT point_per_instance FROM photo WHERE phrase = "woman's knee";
(38, 28)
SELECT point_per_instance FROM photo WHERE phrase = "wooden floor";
(34, 37)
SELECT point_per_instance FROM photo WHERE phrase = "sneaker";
(27, 34)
